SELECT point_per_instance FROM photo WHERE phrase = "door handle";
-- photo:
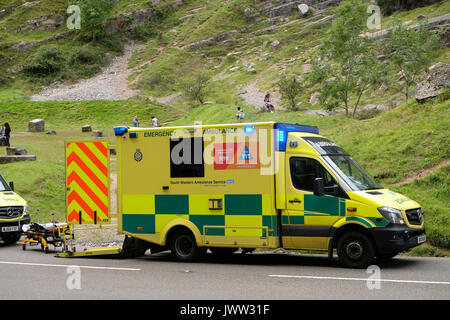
(295, 201)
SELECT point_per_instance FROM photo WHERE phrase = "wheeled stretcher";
(53, 233)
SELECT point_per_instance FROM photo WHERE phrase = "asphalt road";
(32, 274)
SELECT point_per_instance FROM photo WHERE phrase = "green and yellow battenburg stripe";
(243, 218)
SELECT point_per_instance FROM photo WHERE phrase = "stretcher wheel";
(46, 249)
(24, 246)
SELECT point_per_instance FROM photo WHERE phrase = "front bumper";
(15, 223)
(396, 238)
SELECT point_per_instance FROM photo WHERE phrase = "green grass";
(433, 193)
(71, 114)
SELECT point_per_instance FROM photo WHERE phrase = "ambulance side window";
(186, 158)
(303, 173)
(305, 170)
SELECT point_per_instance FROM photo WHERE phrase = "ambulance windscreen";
(3, 185)
(324, 146)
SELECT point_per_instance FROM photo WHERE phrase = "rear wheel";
(184, 247)
(133, 248)
(11, 238)
(355, 250)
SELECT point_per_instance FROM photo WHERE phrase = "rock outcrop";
(437, 80)
(10, 159)
(36, 125)
(42, 23)
(16, 151)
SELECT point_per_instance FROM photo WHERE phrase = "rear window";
(186, 158)
(324, 146)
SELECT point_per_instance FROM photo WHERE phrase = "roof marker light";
(249, 129)
(118, 131)
(282, 130)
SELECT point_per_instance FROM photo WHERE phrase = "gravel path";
(254, 97)
(110, 84)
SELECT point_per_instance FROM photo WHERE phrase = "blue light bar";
(118, 131)
(249, 129)
(282, 130)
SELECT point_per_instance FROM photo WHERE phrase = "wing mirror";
(319, 189)
(11, 185)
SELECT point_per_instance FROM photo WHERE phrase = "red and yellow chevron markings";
(87, 181)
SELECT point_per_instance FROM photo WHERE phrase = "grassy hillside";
(71, 114)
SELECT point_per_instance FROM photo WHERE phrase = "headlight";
(26, 210)
(392, 215)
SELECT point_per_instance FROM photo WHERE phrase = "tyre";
(355, 250)
(133, 248)
(11, 238)
(184, 247)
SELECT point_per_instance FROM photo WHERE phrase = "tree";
(409, 51)
(93, 16)
(348, 58)
(196, 87)
(290, 88)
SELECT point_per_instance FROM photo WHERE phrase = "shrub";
(85, 55)
(290, 89)
(47, 61)
(112, 44)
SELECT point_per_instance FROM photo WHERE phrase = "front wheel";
(184, 247)
(11, 238)
(355, 250)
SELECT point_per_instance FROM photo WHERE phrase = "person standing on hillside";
(154, 122)
(6, 133)
(240, 115)
(136, 121)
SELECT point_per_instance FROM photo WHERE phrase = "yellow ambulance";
(256, 185)
(13, 213)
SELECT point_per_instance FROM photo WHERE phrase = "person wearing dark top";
(7, 132)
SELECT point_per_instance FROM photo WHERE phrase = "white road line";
(66, 265)
(358, 279)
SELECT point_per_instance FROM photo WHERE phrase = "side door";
(310, 217)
